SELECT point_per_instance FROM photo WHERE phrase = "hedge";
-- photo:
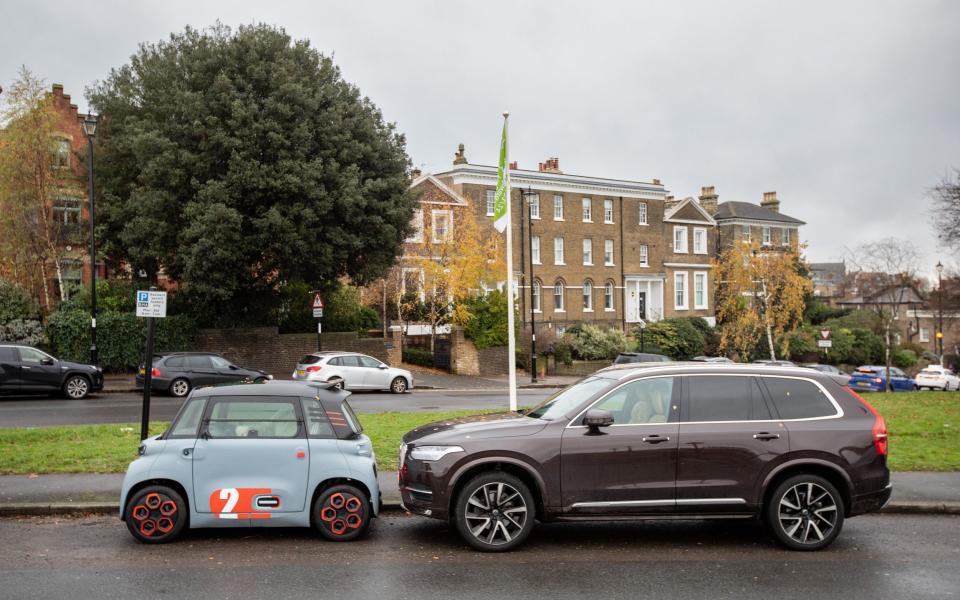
(121, 337)
(418, 356)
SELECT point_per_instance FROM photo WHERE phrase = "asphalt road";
(39, 411)
(876, 557)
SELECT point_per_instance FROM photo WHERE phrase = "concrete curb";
(72, 508)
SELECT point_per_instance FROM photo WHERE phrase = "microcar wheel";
(179, 387)
(399, 385)
(495, 512)
(805, 512)
(156, 514)
(342, 513)
(76, 387)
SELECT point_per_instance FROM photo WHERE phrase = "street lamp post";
(939, 335)
(528, 195)
(90, 129)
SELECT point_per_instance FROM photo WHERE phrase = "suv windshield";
(566, 399)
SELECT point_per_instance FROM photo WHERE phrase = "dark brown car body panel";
(711, 470)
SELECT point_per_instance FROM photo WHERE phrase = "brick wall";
(267, 349)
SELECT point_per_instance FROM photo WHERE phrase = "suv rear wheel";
(805, 512)
(179, 387)
(494, 512)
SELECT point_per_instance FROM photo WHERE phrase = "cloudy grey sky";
(849, 110)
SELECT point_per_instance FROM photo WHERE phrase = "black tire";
(156, 514)
(398, 385)
(802, 524)
(260, 380)
(76, 387)
(342, 513)
(507, 519)
(180, 387)
(338, 384)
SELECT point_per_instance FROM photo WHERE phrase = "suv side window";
(198, 362)
(798, 398)
(29, 355)
(366, 361)
(724, 398)
(335, 362)
(318, 425)
(188, 421)
(174, 362)
(253, 417)
(350, 361)
(640, 402)
(219, 363)
(8, 353)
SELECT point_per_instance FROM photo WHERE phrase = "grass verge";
(924, 436)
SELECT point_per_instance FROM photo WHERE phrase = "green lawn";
(924, 436)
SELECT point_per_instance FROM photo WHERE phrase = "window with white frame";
(643, 213)
(558, 297)
(680, 290)
(700, 290)
(491, 201)
(588, 296)
(558, 251)
(535, 249)
(745, 233)
(534, 201)
(680, 239)
(785, 236)
(767, 236)
(644, 262)
(608, 211)
(557, 207)
(608, 252)
(699, 240)
(416, 235)
(608, 296)
(442, 226)
(588, 251)
(924, 334)
(587, 211)
(535, 295)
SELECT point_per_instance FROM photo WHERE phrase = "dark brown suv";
(793, 446)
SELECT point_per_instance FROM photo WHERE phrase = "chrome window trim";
(611, 391)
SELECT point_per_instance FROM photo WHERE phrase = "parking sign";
(151, 304)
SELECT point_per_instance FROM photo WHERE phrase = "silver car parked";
(353, 371)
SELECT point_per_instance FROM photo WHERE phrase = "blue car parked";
(874, 378)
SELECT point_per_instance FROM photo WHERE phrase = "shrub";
(817, 312)
(903, 358)
(418, 356)
(487, 325)
(28, 332)
(711, 337)
(16, 303)
(678, 338)
(597, 343)
(867, 347)
(112, 295)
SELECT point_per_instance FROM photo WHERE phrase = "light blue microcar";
(278, 454)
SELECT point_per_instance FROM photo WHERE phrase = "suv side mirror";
(597, 418)
(46, 361)
(233, 367)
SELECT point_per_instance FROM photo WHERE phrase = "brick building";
(594, 249)
(743, 221)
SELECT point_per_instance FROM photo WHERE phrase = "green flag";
(503, 186)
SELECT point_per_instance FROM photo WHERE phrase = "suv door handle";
(766, 436)
(655, 439)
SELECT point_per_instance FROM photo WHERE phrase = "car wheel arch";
(829, 471)
(70, 374)
(170, 483)
(332, 481)
(515, 467)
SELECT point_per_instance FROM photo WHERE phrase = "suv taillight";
(154, 372)
(313, 369)
(879, 430)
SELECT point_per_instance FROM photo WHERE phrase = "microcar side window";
(188, 421)
(253, 417)
(318, 425)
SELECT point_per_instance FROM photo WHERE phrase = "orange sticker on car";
(237, 503)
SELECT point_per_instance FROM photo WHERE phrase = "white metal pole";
(511, 338)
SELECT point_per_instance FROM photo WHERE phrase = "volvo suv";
(796, 448)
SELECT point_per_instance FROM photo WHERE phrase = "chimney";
(709, 199)
(656, 181)
(513, 166)
(669, 202)
(459, 158)
(770, 201)
(552, 165)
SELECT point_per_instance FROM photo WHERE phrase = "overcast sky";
(849, 110)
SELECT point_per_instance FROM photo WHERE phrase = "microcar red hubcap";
(341, 513)
(156, 515)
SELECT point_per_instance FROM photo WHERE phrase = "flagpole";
(511, 337)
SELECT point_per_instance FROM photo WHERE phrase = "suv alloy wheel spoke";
(496, 513)
(804, 513)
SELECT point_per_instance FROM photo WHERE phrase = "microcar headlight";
(431, 453)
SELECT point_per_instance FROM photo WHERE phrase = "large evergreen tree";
(234, 160)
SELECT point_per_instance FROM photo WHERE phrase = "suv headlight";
(431, 453)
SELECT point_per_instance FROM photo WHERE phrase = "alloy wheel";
(808, 513)
(77, 387)
(399, 385)
(180, 388)
(496, 513)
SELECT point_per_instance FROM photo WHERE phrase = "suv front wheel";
(495, 512)
(805, 512)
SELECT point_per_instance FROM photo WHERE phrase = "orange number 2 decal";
(237, 503)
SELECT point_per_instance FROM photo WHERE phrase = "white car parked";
(936, 377)
(352, 371)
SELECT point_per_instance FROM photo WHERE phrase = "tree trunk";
(887, 357)
(64, 295)
(46, 287)
(766, 319)
(384, 307)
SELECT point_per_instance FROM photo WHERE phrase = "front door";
(200, 369)
(226, 372)
(252, 458)
(630, 466)
(729, 439)
(375, 377)
(38, 371)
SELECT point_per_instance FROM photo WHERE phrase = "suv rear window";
(724, 398)
(798, 398)
(309, 359)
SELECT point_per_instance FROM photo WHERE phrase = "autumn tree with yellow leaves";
(760, 297)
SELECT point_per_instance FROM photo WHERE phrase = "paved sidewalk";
(917, 492)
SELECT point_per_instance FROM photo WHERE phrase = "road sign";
(317, 306)
(151, 304)
(825, 343)
(825, 334)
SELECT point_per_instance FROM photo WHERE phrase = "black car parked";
(180, 372)
(26, 370)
